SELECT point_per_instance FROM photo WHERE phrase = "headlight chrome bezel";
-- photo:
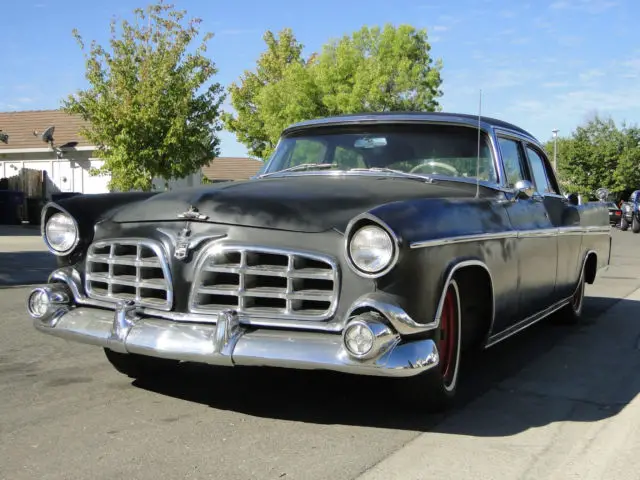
(49, 212)
(355, 226)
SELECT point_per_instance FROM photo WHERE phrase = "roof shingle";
(21, 125)
(232, 168)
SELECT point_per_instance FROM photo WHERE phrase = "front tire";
(635, 224)
(435, 389)
(138, 366)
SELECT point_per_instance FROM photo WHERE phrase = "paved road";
(555, 402)
(24, 259)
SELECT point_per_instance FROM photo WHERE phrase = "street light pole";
(555, 149)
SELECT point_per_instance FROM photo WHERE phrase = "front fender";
(87, 210)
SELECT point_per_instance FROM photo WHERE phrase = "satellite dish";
(602, 194)
(47, 135)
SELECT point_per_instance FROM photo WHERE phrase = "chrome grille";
(129, 269)
(266, 282)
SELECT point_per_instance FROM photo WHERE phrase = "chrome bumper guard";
(227, 342)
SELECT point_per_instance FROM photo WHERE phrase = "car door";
(564, 217)
(537, 252)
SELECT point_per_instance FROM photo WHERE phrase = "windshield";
(420, 149)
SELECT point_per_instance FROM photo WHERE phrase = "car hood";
(308, 203)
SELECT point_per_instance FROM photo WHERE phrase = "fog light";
(44, 302)
(366, 336)
(39, 303)
(359, 339)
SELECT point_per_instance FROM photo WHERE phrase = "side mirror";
(573, 199)
(524, 189)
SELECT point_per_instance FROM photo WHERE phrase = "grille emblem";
(184, 241)
(193, 214)
(182, 244)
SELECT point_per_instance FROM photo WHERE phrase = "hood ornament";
(193, 214)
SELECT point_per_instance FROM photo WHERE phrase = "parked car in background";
(631, 213)
(378, 244)
(615, 213)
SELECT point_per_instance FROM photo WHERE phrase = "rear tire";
(624, 225)
(635, 224)
(435, 390)
(138, 366)
(572, 313)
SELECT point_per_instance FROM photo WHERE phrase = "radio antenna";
(478, 157)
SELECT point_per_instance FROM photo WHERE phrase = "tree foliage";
(374, 69)
(149, 109)
(599, 154)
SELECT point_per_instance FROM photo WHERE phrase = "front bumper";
(227, 342)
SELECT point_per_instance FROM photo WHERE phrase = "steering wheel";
(435, 165)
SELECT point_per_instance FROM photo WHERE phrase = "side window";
(307, 151)
(512, 160)
(539, 171)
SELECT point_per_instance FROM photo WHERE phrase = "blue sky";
(541, 64)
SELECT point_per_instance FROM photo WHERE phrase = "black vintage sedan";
(378, 244)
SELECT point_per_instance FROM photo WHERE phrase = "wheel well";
(590, 267)
(476, 298)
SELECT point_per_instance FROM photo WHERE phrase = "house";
(231, 168)
(32, 142)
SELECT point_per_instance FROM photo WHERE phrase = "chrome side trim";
(544, 232)
(541, 315)
(229, 344)
(364, 217)
(527, 322)
(464, 239)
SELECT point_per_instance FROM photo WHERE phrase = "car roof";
(407, 117)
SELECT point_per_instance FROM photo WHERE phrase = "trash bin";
(34, 209)
(11, 206)
(55, 197)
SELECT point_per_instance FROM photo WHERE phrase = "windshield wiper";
(302, 166)
(415, 176)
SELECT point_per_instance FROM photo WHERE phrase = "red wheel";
(449, 338)
(449, 342)
(436, 388)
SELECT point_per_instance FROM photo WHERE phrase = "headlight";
(371, 249)
(61, 232)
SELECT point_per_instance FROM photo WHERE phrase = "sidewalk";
(571, 414)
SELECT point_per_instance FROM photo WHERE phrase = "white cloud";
(589, 75)
(587, 6)
(440, 28)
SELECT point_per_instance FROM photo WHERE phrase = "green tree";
(257, 98)
(373, 69)
(149, 108)
(599, 154)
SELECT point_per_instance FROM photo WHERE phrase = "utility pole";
(555, 149)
